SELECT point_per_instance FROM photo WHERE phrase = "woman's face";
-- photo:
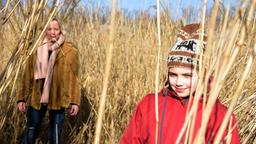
(183, 80)
(53, 31)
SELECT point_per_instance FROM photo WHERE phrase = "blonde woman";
(50, 83)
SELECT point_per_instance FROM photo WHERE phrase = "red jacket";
(142, 126)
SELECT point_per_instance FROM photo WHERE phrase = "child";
(174, 99)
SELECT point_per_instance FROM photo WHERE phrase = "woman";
(50, 83)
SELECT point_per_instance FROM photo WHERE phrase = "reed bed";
(132, 73)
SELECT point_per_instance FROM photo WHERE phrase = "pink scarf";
(44, 65)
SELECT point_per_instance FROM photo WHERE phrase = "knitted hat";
(187, 47)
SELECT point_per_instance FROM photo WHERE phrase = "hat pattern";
(187, 47)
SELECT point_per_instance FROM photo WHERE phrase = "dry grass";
(133, 69)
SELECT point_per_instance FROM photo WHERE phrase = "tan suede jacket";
(65, 86)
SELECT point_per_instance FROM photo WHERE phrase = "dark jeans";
(34, 122)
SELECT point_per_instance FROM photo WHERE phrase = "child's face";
(183, 80)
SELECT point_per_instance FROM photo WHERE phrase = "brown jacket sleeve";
(26, 81)
(73, 87)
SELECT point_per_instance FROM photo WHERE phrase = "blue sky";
(176, 6)
(145, 4)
